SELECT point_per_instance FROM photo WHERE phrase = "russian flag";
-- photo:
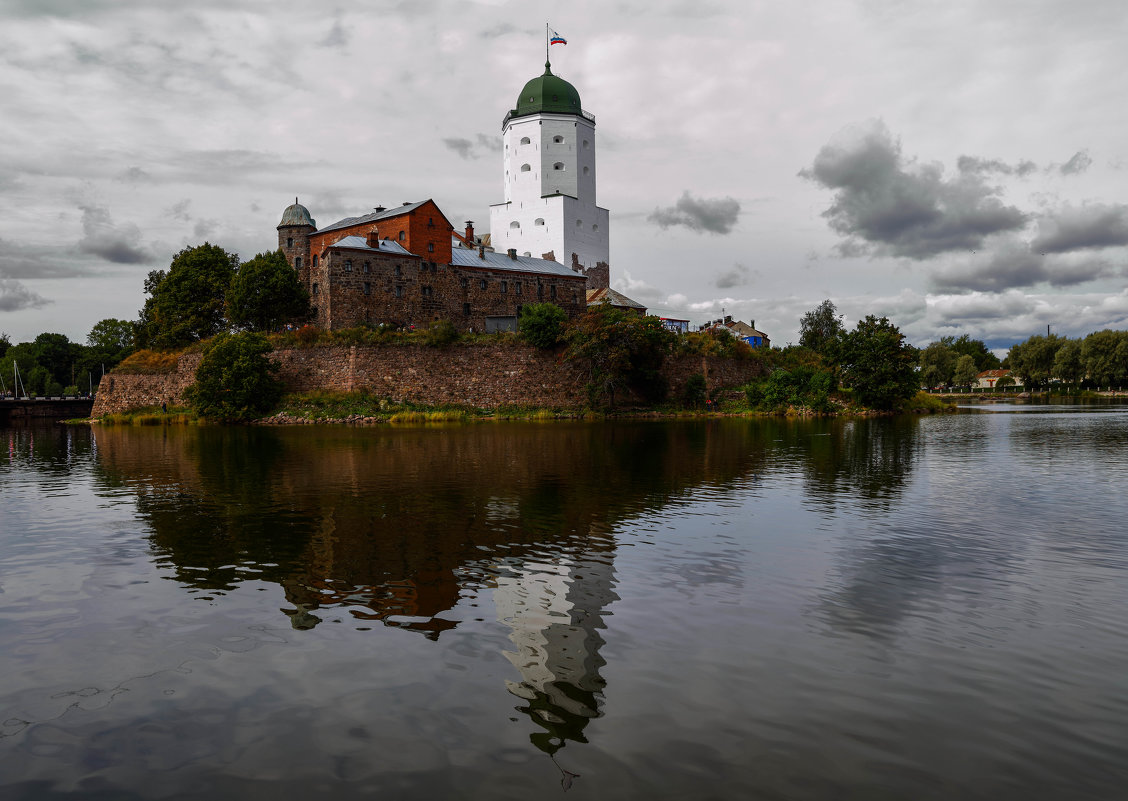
(557, 39)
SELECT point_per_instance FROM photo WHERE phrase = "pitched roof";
(611, 296)
(360, 243)
(465, 257)
(993, 374)
(395, 211)
(744, 329)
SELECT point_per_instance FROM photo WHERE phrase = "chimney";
(753, 323)
(407, 203)
(378, 209)
(728, 319)
(513, 253)
(469, 232)
(373, 238)
(481, 251)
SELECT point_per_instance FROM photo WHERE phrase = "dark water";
(931, 608)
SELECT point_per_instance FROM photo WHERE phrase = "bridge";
(57, 408)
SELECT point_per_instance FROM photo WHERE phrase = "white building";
(549, 166)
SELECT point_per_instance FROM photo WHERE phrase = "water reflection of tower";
(555, 610)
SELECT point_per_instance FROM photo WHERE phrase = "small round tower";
(293, 237)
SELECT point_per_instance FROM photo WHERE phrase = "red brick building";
(398, 267)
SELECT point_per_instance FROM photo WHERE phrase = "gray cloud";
(1077, 164)
(15, 296)
(737, 276)
(119, 244)
(337, 36)
(497, 31)
(471, 148)
(973, 164)
(18, 260)
(893, 206)
(715, 215)
(1013, 265)
(179, 210)
(1094, 225)
(134, 174)
(204, 228)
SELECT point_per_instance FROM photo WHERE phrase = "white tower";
(549, 162)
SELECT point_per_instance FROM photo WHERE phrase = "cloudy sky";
(959, 166)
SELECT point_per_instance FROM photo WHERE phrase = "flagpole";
(546, 43)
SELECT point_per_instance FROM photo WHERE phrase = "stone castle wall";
(485, 376)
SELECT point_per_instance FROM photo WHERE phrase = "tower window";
(367, 268)
(558, 140)
(558, 165)
(595, 227)
(514, 224)
(517, 288)
(367, 288)
(430, 247)
(348, 265)
(579, 223)
(298, 263)
(586, 145)
(538, 221)
(399, 271)
(504, 287)
(399, 291)
(314, 259)
(525, 168)
(525, 140)
(466, 309)
(314, 289)
(586, 170)
(426, 291)
(289, 241)
(483, 283)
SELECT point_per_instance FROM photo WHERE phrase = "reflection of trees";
(47, 450)
(395, 526)
(868, 459)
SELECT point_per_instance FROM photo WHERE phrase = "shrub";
(440, 333)
(235, 379)
(619, 348)
(693, 393)
(542, 325)
(149, 362)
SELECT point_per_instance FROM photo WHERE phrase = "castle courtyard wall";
(485, 376)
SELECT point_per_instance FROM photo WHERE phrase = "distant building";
(989, 378)
(742, 331)
(675, 325)
(615, 298)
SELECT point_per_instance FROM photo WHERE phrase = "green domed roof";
(297, 214)
(548, 92)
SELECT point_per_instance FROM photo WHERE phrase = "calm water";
(932, 608)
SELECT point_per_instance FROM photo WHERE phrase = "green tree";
(821, 328)
(1033, 360)
(937, 363)
(542, 324)
(1067, 362)
(1105, 356)
(186, 304)
(111, 336)
(235, 379)
(621, 350)
(5, 343)
(965, 371)
(975, 348)
(877, 364)
(265, 294)
(1005, 381)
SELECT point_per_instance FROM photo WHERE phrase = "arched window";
(579, 223)
(558, 165)
(298, 263)
(586, 144)
(558, 140)
(525, 140)
(403, 235)
(586, 170)
(525, 168)
(595, 227)
(538, 221)
(514, 224)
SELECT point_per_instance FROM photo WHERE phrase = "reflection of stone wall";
(476, 375)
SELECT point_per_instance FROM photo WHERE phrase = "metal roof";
(395, 211)
(464, 257)
(361, 243)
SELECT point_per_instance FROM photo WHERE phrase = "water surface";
(925, 608)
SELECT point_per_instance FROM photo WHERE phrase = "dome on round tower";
(548, 92)
(297, 214)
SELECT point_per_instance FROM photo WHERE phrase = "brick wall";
(476, 375)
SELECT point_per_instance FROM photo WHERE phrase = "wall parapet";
(484, 376)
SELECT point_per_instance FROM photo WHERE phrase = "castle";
(407, 266)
